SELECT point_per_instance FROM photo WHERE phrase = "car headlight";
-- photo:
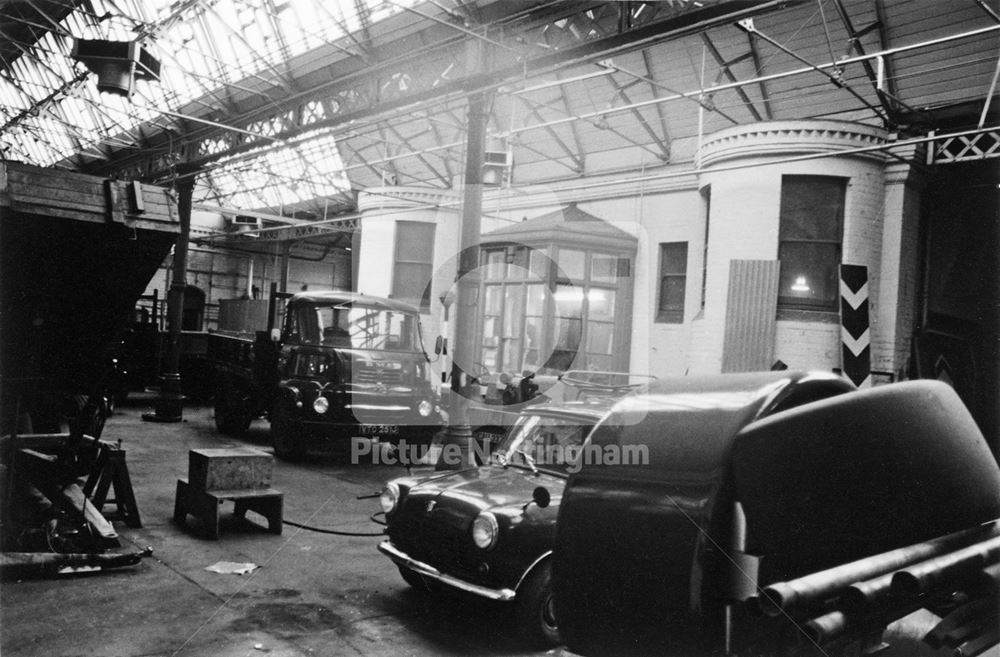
(321, 405)
(485, 530)
(389, 497)
(425, 408)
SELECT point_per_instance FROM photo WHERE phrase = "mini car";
(489, 530)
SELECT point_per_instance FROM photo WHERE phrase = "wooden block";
(73, 498)
(226, 469)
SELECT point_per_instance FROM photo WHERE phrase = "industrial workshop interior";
(499, 327)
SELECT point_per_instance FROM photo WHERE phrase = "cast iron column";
(169, 404)
(455, 451)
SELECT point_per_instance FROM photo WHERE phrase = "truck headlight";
(389, 497)
(321, 405)
(485, 530)
(425, 408)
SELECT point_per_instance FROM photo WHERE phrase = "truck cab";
(342, 364)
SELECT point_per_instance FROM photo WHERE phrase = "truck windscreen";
(359, 327)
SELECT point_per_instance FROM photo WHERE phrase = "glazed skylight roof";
(51, 109)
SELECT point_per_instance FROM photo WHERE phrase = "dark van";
(774, 517)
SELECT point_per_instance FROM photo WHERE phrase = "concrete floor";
(313, 593)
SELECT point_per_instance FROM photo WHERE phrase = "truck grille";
(368, 374)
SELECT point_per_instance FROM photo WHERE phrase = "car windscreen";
(544, 443)
(357, 326)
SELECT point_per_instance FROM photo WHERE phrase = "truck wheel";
(535, 611)
(232, 411)
(285, 445)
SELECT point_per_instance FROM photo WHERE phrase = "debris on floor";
(22, 565)
(232, 568)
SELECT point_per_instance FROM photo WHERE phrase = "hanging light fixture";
(497, 163)
(118, 64)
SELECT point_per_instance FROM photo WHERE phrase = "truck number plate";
(379, 429)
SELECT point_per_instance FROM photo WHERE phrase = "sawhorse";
(110, 470)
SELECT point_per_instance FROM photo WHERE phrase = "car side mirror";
(541, 496)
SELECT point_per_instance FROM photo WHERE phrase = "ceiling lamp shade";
(118, 64)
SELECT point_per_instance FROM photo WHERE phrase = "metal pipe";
(778, 598)
(925, 575)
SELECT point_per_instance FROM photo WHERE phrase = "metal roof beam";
(725, 68)
(426, 163)
(887, 95)
(577, 156)
(835, 77)
(353, 90)
(664, 150)
(654, 90)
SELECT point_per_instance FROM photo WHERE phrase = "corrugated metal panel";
(751, 309)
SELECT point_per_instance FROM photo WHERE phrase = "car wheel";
(535, 608)
(285, 445)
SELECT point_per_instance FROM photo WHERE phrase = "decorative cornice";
(775, 139)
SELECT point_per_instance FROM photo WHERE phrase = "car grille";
(433, 538)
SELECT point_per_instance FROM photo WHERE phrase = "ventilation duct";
(118, 64)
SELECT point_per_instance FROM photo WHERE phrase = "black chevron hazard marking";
(855, 335)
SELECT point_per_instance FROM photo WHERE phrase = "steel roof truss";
(577, 156)
(423, 160)
(725, 69)
(357, 85)
(620, 91)
(758, 67)
(438, 138)
(279, 76)
(884, 85)
(664, 123)
(836, 77)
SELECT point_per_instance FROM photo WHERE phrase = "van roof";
(690, 423)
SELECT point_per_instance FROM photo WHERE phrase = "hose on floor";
(337, 532)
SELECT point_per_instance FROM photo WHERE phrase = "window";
(809, 248)
(546, 318)
(673, 280)
(414, 265)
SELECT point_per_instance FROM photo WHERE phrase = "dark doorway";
(957, 339)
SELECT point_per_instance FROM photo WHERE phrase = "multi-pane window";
(550, 313)
(673, 282)
(809, 248)
(414, 263)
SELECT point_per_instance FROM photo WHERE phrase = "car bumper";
(421, 568)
